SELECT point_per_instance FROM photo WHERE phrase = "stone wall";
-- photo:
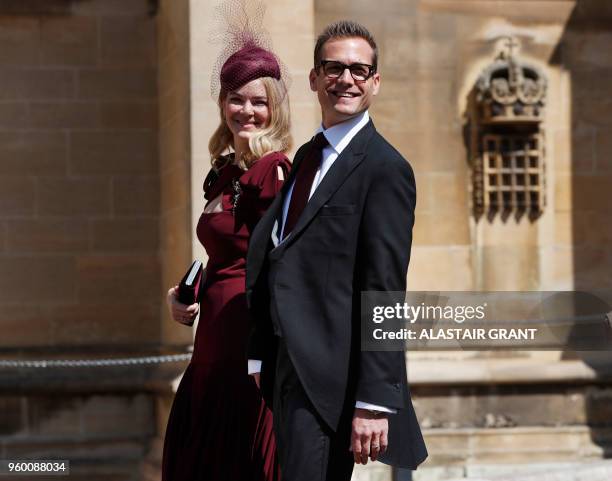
(587, 156)
(103, 436)
(79, 183)
(79, 228)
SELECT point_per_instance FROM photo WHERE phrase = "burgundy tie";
(303, 181)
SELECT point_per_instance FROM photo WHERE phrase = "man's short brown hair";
(345, 29)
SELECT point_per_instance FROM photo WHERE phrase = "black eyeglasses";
(359, 71)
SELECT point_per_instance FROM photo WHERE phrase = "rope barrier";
(111, 362)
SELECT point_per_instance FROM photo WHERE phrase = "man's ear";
(312, 78)
(376, 83)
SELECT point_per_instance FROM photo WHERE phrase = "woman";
(219, 426)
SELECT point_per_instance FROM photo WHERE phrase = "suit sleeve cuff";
(254, 366)
(374, 407)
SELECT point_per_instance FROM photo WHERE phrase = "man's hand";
(369, 435)
(256, 378)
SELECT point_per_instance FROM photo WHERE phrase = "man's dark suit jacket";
(354, 235)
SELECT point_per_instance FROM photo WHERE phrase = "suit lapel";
(260, 239)
(258, 244)
(346, 162)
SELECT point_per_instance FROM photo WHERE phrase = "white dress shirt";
(338, 136)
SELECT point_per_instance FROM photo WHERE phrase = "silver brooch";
(236, 195)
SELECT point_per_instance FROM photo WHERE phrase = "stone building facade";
(105, 115)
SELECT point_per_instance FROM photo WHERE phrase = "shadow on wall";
(584, 53)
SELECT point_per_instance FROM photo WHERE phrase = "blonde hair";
(275, 137)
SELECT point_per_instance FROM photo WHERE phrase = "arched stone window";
(509, 166)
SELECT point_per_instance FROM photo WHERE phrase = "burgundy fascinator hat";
(246, 48)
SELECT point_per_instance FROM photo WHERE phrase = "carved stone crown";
(510, 90)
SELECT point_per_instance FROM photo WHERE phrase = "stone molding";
(503, 371)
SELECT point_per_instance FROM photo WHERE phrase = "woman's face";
(246, 110)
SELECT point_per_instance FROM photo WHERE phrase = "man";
(342, 224)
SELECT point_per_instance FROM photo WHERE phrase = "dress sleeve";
(266, 176)
(261, 183)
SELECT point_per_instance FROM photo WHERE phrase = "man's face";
(343, 98)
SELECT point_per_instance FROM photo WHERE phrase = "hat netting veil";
(246, 48)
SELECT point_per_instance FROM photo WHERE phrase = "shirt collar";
(341, 134)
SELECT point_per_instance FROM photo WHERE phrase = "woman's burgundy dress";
(219, 427)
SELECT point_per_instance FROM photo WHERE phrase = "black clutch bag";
(190, 285)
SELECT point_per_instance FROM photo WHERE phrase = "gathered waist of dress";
(225, 270)
(221, 274)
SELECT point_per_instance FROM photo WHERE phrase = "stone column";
(176, 240)
(175, 206)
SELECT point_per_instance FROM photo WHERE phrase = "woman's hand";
(180, 312)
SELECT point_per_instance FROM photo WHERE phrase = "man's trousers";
(308, 449)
